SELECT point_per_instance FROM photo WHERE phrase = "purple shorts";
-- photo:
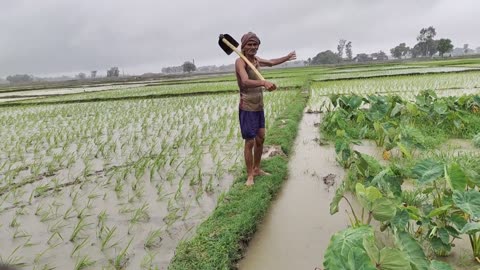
(250, 123)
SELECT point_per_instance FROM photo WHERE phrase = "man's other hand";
(269, 86)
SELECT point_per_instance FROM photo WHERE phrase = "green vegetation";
(81, 174)
(445, 204)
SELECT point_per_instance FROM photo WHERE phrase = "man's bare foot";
(249, 181)
(257, 172)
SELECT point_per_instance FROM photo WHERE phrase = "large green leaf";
(357, 260)
(393, 259)
(439, 247)
(471, 228)
(427, 171)
(400, 220)
(436, 265)
(337, 198)
(372, 250)
(456, 177)
(440, 107)
(397, 109)
(383, 209)
(367, 196)
(438, 211)
(468, 201)
(414, 252)
(342, 245)
(354, 102)
(472, 176)
(386, 258)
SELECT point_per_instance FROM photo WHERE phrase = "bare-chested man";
(252, 118)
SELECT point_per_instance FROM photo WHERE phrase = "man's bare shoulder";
(239, 63)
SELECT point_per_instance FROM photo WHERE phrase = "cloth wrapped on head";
(250, 36)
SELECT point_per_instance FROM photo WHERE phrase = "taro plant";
(343, 150)
(357, 248)
(453, 207)
(374, 205)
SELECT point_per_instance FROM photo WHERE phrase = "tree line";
(187, 67)
(426, 46)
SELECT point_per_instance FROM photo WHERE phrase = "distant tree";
(189, 67)
(444, 46)
(400, 51)
(341, 47)
(93, 74)
(379, 56)
(416, 51)
(113, 72)
(168, 70)
(426, 42)
(363, 57)
(81, 76)
(465, 48)
(20, 78)
(348, 50)
(326, 57)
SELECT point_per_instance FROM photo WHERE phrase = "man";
(251, 115)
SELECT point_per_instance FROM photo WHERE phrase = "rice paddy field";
(123, 178)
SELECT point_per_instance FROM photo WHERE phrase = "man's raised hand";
(292, 56)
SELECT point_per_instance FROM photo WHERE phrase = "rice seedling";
(39, 256)
(79, 227)
(13, 260)
(140, 214)
(106, 235)
(83, 262)
(147, 261)
(121, 259)
(78, 247)
(153, 239)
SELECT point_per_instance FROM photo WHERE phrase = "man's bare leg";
(257, 155)
(249, 144)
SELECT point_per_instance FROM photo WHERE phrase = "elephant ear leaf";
(414, 252)
(471, 228)
(358, 260)
(383, 209)
(337, 198)
(344, 249)
(468, 202)
(393, 259)
(456, 177)
(427, 171)
(437, 265)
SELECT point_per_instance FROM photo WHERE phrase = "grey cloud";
(54, 36)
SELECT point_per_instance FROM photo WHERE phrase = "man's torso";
(251, 99)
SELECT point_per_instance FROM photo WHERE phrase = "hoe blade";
(223, 41)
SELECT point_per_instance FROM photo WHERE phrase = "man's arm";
(277, 61)
(245, 82)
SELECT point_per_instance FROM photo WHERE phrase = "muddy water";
(296, 231)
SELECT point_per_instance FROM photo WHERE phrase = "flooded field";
(32, 94)
(119, 183)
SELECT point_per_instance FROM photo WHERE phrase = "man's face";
(251, 48)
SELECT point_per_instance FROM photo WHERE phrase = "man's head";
(250, 43)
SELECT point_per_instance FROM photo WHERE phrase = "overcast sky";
(53, 37)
